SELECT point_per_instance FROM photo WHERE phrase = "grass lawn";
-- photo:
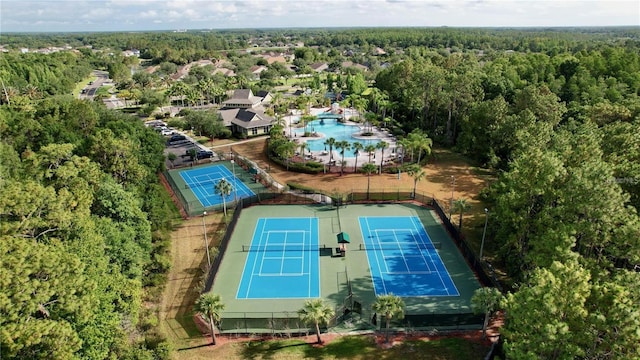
(81, 85)
(346, 347)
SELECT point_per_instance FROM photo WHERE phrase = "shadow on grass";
(364, 348)
(269, 348)
(347, 347)
(194, 347)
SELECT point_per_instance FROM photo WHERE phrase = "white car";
(166, 131)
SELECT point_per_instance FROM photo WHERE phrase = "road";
(102, 79)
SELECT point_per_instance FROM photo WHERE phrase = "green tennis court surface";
(249, 245)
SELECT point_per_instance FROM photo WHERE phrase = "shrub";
(177, 123)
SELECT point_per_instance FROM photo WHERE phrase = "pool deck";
(323, 156)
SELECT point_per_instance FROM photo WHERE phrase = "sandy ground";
(186, 277)
(439, 180)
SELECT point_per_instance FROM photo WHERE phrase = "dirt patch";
(186, 276)
(444, 168)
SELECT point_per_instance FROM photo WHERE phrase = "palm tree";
(371, 119)
(166, 81)
(179, 89)
(404, 143)
(344, 145)
(204, 87)
(218, 92)
(462, 206)
(286, 150)
(486, 301)
(382, 145)
(390, 306)
(305, 120)
(331, 142)
(368, 168)
(125, 95)
(419, 141)
(342, 164)
(193, 95)
(210, 305)
(370, 149)
(416, 172)
(243, 81)
(316, 312)
(31, 91)
(303, 146)
(223, 188)
(357, 147)
(279, 120)
(275, 100)
(376, 97)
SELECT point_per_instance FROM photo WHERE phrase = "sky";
(140, 15)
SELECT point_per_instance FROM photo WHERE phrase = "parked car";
(190, 153)
(165, 131)
(176, 139)
(204, 154)
(155, 123)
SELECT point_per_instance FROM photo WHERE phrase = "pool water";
(331, 128)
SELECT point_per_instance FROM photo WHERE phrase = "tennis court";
(403, 259)
(282, 260)
(263, 285)
(202, 182)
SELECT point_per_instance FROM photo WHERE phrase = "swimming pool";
(331, 128)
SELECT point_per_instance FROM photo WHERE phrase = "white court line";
(282, 275)
(203, 198)
(422, 252)
(264, 241)
(308, 257)
(245, 268)
(255, 260)
(440, 259)
(399, 249)
(384, 285)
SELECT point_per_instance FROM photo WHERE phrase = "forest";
(554, 114)
(84, 226)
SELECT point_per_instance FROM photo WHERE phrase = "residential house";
(351, 64)
(257, 70)
(224, 71)
(243, 99)
(132, 52)
(379, 51)
(275, 59)
(319, 66)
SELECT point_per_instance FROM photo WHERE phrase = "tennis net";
(205, 183)
(283, 248)
(402, 246)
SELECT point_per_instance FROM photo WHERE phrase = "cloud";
(124, 15)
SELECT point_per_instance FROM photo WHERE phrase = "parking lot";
(180, 148)
(180, 144)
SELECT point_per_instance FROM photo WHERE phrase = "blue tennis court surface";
(282, 260)
(402, 258)
(202, 182)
